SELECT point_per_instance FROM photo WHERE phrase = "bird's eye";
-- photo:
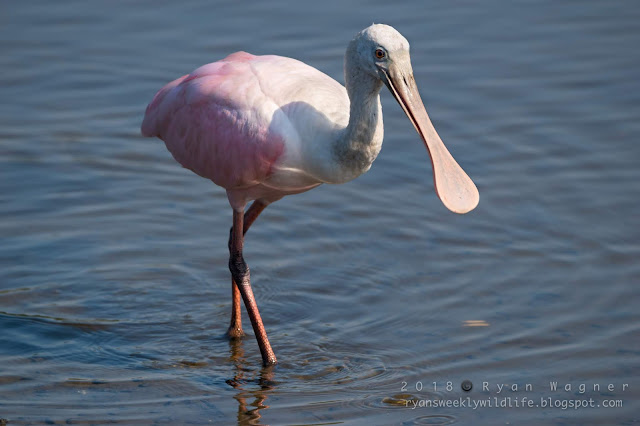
(380, 54)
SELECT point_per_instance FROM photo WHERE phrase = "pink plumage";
(208, 125)
(241, 122)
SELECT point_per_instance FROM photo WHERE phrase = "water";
(114, 287)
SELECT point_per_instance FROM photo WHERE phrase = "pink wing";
(215, 122)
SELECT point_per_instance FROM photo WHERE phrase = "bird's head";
(375, 48)
(383, 53)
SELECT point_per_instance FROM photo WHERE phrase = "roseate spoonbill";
(263, 127)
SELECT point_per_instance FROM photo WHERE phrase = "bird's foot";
(269, 361)
(234, 332)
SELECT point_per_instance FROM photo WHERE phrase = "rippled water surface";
(114, 287)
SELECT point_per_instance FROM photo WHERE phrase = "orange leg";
(235, 326)
(240, 273)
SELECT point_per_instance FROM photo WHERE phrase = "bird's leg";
(235, 327)
(240, 273)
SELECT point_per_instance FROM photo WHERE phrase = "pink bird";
(263, 127)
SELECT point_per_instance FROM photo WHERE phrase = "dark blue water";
(114, 287)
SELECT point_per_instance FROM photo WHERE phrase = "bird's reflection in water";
(265, 383)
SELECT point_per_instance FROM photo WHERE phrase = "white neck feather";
(360, 142)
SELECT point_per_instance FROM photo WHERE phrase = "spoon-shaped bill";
(456, 190)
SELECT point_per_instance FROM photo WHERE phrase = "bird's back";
(235, 120)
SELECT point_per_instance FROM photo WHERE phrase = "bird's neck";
(360, 142)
